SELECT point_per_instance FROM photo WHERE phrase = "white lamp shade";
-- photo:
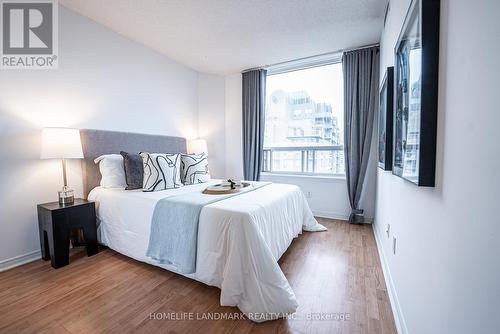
(61, 143)
(198, 146)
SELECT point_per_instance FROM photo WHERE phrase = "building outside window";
(304, 121)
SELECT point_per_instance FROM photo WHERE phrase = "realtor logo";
(29, 34)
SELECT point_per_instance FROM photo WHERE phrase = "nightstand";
(56, 222)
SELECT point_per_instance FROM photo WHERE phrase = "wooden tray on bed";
(220, 189)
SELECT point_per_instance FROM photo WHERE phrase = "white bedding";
(240, 240)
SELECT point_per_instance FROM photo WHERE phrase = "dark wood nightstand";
(56, 222)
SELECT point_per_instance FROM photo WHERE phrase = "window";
(304, 121)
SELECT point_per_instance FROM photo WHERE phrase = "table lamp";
(62, 143)
(198, 146)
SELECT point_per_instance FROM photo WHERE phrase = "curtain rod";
(305, 58)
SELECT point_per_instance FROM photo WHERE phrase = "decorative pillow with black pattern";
(161, 171)
(194, 168)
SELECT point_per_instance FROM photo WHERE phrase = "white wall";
(446, 272)
(104, 81)
(211, 120)
(328, 196)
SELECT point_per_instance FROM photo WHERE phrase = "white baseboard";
(330, 215)
(19, 260)
(391, 289)
(335, 215)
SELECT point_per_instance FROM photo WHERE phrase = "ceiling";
(228, 36)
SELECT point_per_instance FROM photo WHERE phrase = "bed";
(240, 239)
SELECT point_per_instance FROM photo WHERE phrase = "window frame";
(292, 66)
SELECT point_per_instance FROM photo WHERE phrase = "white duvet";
(240, 240)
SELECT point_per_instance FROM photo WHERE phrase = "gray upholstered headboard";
(98, 142)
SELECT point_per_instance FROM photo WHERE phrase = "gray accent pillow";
(134, 170)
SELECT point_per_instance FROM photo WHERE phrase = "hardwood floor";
(334, 274)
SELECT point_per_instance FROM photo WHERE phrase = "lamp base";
(66, 196)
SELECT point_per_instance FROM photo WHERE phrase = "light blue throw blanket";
(173, 238)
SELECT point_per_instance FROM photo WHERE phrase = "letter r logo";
(27, 28)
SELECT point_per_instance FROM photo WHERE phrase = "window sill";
(322, 178)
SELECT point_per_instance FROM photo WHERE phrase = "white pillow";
(161, 171)
(112, 171)
(194, 168)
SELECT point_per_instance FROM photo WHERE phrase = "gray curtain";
(361, 68)
(254, 96)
